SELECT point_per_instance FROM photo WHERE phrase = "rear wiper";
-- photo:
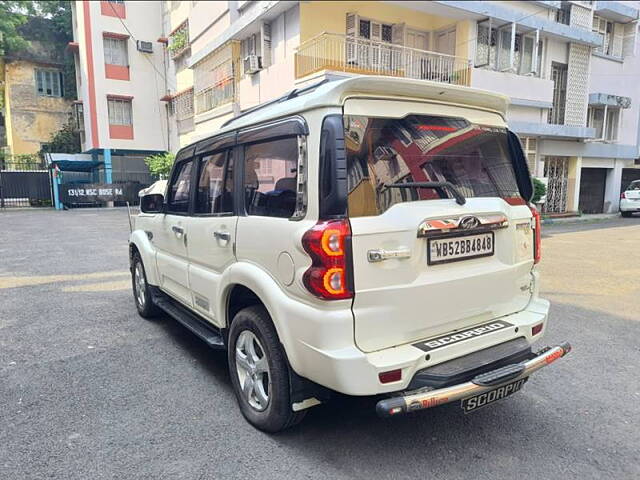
(460, 200)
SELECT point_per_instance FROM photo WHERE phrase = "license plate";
(487, 398)
(454, 249)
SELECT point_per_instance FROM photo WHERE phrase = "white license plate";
(454, 249)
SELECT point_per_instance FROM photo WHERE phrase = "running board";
(210, 334)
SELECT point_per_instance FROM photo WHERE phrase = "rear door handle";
(179, 231)
(380, 255)
(220, 235)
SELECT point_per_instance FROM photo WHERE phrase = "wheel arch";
(139, 243)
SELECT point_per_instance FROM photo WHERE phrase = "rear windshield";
(382, 152)
(635, 185)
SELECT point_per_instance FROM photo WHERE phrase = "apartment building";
(570, 69)
(120, 75)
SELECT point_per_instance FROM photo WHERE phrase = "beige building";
(35, 102)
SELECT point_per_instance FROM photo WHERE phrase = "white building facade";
(570, 68)
(120, 76)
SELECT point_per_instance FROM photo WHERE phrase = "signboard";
(71, 193)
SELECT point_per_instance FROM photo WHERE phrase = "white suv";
(369, 236)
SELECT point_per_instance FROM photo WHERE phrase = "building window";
(563, 14)
(120, 112)
(179, 40)
(182, 105)
(612, 36)
(214, 79)
(113, 8)
(606, 121)
(530, 146)
(49, 83)
(78, 111)
(495, 50)
(115, 51)
(559, 77)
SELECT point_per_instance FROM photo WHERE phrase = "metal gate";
(556, 169)
(24, 182)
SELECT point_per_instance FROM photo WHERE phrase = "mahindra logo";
(468, 223)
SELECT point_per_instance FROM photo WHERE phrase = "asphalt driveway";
(89, 390)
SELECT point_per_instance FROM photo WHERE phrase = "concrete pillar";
(612, 187)
(573, 184)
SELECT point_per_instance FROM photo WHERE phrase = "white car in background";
(630, 199)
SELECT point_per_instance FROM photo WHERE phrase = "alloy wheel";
(252, 367)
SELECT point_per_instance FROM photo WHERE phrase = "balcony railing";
(331, 51)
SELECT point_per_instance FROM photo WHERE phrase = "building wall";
(147, 80)
(30, 118)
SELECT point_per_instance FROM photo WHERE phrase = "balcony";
(342, 53)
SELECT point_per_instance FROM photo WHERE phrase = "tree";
(539, 190)
(160, 164)
(65, 140)
(12, 15)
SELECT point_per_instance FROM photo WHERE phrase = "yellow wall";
(30, 119)
(330, 16)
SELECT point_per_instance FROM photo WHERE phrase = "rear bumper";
(349, 370)
(427, 398)
(628, 205)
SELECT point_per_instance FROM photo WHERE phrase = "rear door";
(212, 230)
(170, 235)
(424, 264)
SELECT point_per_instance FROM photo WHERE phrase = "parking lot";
(90, 390)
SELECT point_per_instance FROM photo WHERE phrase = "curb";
(583, 219)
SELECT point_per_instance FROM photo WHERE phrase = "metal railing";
(332, 51)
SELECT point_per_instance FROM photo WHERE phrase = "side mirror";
(152, 203)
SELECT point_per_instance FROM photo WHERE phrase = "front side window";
(215, 184)
(49, 82)
(115, 51)
(474, 158)
(270, 177)
(178, 201)
(119, 112)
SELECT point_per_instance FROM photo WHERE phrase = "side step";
(210, 334)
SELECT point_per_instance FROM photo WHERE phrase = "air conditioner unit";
(252, 64)
(145, 47)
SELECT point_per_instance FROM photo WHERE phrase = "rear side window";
(382, 152)
(179, 191)
(215, 184)
(270, 177)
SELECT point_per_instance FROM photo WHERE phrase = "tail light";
(622, 196)
(329, 244)
(537, 232)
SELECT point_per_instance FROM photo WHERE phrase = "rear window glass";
(635, 185)
(382, 152)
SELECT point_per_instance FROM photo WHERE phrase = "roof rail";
(287, 96)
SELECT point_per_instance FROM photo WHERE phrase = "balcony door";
(559, 77)
(446, 41)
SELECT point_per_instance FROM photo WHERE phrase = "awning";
(77, 165)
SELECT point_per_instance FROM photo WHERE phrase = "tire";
(626, 214)
(141, 291)
(257, 360)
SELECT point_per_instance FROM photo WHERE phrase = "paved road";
(89, 390)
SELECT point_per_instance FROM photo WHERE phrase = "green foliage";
(12, 15)
(160, 164)
(178, 41)
(59, 12)
(539, 190)
(65, 140)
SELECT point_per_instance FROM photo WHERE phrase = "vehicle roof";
(334, 93)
